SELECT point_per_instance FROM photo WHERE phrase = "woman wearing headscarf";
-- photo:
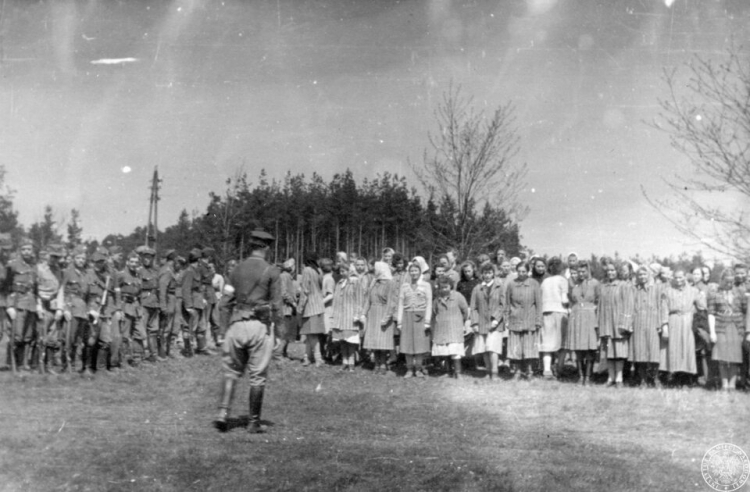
(347, 311)
(424, 268)
(582, 336)
(728, 324)
(312, 309)
(678, 346)
(379, 308)
(649, 319)
(413, 318)
(615, 314)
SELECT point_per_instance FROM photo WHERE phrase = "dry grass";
(150, 430)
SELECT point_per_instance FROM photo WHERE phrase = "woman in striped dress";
(728, 322)
(649, 319)
(413, 319)
(312, 309)
(347, 313)
(523, 304)
(583, 334)
(450, 317)
(615, 314)
(378, 316)
(678, 344)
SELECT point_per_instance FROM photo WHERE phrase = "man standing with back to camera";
(254, 292)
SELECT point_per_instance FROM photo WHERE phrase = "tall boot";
(256, 403)
(152, 347)
(86, 361)
(457, 368)
(50, 356)
(94, 356)
(163, 346)
(21, 351)
(188, 347)
(225, 403)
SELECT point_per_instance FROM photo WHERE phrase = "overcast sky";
(201, 87)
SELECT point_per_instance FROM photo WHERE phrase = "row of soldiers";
(97, 313)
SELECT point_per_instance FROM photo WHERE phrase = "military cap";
(261, 236)
(208, 252)
(98, 256)
(170, 254)
(145, 250)
(195, 253)
(27, 242)
(181, 260)
(78, 250)
(133, 254)
(113, 250)
(55, 250)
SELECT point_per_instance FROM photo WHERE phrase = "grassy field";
(150, 429)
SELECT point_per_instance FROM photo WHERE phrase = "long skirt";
(489, 342)
(645, 344)
(313, 325)
(414, 337)
(581, 333)
(550, 335)
(523, 345)
(728, 346)
(678, 353)
(377, 336)
(614, 348)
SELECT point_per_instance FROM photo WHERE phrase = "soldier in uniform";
(167, 303)
(149, 298)
(114, 262)
(179, 323)
(50, 276)
(102, 307)
(24, 307)
(254, 289)
(193, 304)
(71, 307)
(127, 293)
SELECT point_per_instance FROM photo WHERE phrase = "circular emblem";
(725, 467)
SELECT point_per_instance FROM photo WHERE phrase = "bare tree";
(709, 121)
(469, 163)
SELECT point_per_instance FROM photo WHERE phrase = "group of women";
(519, 313)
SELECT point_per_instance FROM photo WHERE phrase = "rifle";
(103, 302)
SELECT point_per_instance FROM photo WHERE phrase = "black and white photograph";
(367, 245)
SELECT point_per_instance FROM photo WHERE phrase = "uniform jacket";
(192, 288)
(128, 291)
(21, 284)
(149, 287)
(97, 284)
(167, 288)
(74, 289)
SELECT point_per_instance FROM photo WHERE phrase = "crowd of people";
(522, 318)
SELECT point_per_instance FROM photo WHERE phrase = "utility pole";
(152, 230)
